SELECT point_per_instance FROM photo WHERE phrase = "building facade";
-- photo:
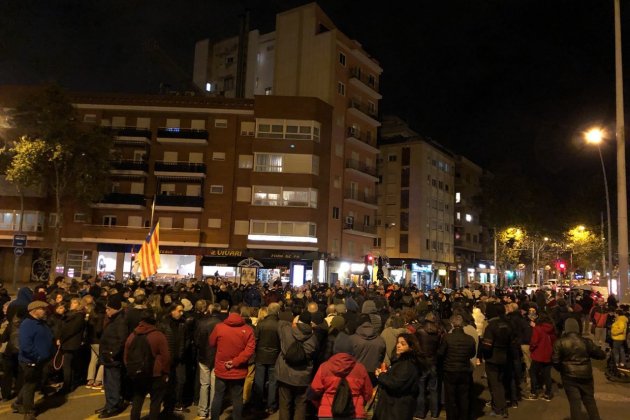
(416, 207)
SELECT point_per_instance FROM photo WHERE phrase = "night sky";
(511, 84)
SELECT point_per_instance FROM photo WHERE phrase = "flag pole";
(152, 212)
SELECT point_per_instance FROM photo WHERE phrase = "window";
(228, 83)
(404, 221)
(218, 155)
(288, 129)
(458, 216)
(243, 194)
(220, 123)
(458, 197)
(341, 88)
(366, 220)
(404, 243)
(268, 91)
(427, 244)
(371, 80)
(245, 161)
(335, 213)
(118, 122)
(391, 158)
(80, 217)
(283, 230)
(266, 162)
(248, 128)
(198, 124)
(52, 219)
(404, 199)
(167, 189)
(109, 220)
(469, 217)
(284, 196)
(342, 59)
(214, 223)
(166, 222)
(89, 118)
(377, 242)
(229, 60)
(216, 189)
(191, 223)
(241, 227)
(371, 108)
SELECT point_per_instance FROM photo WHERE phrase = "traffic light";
(561, 266)
(369, 259)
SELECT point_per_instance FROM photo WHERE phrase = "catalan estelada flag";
(148, 258)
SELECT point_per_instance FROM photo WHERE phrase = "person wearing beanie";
(111, 355)
(293, 381)
(341, 364)
(571, 356)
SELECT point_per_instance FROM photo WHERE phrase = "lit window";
(458, 197)
(458, 216)
(469, 218)
(208, 87)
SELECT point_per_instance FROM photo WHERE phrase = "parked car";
(531, 288)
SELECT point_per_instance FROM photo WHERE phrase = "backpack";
(296, 355)
(343, 404)
(140, 358)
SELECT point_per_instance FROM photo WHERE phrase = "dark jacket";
(267, 340)
(36, 341)
(497, 341)
(572, 356)
(71, 333)
(159, 347)
(95, 323)
(203, 329)
(456, 350)
(19, 306)
(133, 317)
(176, 335)
(288, 334)
(521, 328)
(113, 340)
(429, 340)
(398, 390)
(327, 380)
(368, 346)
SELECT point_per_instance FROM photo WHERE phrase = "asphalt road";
(613, 400)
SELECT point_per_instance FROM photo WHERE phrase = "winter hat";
(369, 307)
(571, 325)
(352, 305)
(115, 302)
(36, 304)
(337, 323)
(305, 318)
(343, 344)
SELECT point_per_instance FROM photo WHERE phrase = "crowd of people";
(316, 351)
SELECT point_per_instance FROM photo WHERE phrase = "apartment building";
(415, 235)
(308, 56)
(229, 180)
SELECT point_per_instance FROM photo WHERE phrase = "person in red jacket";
(328, 377)
(156, 387)
(235, 344)
(541, 348)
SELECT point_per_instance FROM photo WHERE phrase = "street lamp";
(595, 136)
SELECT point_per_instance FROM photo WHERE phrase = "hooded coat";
(235, 342)
(368, 346)
(158, 344)
(398, 390)
(288, 334)
(19, 306)
(369, 307)
(541, 345)
(329, 376)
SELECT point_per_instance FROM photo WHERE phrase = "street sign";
(19, 240)
(18, 251)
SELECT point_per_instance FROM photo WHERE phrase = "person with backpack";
(618, 334)
(148, 361)
(235, 345)
(341, 387)
(294, 366)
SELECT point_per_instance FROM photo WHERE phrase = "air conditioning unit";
(349, 220)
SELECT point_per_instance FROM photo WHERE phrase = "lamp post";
(622, 205)
(595, 136)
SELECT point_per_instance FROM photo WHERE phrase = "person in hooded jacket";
(571, 356)
(17, 311)
(70, 341)
(398, 385)
(368, 346)
(235, 344)
(293, 382)
(541, 348)
(369, 307)
(342, 364)
(429, 337)
(156, 385)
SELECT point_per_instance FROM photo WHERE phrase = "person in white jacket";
(480, 320)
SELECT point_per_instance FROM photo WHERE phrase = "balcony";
(364, 82)
(362, 168)
(179, 203)
(360, 229)
(470, 246)
(181, 169)
(122, 201)
(365, 113)
(135, 235)
(182, 136)
(129, 167)
(364, 141)
(360, 198)
(131, 135)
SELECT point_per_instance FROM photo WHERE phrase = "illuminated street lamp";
(596, 136)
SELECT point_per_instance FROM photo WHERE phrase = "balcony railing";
(364, 109)
(182, 135)
(356, 73)
(359, 196)
(189, 167)
(122, 198)
(179, 201)
(129, 165)
(144, 133)
(360, 228)
(361, 167)
(96, 233)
